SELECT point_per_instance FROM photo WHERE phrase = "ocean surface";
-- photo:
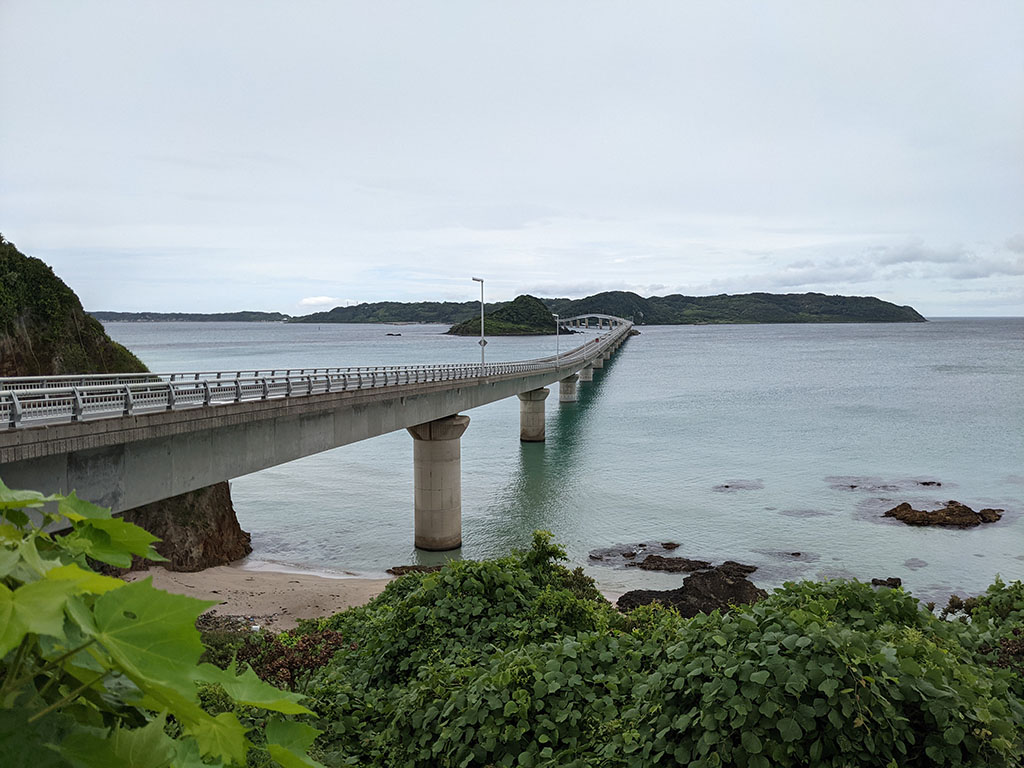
(775, 445)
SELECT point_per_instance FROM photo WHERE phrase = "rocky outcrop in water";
(953, 515)
(199, 529)
(401, 570)
(892, 582)
(671, 564)
(702, 592)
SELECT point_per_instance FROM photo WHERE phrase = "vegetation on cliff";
(741, 308)
(524, 316)
(656, 310)
(441, 312)
(96, 673)
(43, 329)
(44, 332)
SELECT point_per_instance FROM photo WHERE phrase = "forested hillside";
(43, 329)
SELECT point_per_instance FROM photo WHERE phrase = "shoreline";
(272, 595)
(271, 599)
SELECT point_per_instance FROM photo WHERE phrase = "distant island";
(523, 316)
(191, 317)
(655, 310)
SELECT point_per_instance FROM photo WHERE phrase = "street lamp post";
(557, 327)
(483, 341)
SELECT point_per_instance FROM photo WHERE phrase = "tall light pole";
(557, 326)
(483, 341)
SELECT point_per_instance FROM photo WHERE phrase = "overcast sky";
(292, 156)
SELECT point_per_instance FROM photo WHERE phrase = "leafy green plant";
(513, 663)
(96, 672)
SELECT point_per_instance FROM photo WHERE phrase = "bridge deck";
(123, 442)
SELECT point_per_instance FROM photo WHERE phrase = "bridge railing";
(35, 401)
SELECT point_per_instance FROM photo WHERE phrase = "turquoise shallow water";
(814, 429)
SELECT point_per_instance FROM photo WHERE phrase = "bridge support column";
(587, 374)
(531, 415)
(567, 389)
(437, 468)
(597, 362)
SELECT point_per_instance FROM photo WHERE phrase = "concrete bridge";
(592, 320)
(124, 440)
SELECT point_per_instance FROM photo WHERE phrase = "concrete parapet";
(531, 415)
(567, 389)
(437, 467)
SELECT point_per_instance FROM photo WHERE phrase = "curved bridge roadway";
(127, 440)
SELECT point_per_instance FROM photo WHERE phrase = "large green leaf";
(218, 737)
(136, 540)
(123, 536)
(221, 736)
(150, 633)
(37, 607)
(8, 559)
(147, 747)
(83, 581)
(97, 544)
(288, 742)
(76, 509)
(11, 499)
(248, 689)
(189, 756)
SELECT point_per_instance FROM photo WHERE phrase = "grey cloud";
(918, 252)
(1016, 243)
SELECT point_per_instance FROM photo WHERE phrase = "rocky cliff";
(45, 332)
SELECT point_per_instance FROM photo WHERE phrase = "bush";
(505, 663)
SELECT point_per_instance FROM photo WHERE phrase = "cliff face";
(45, 332)
(43, 329)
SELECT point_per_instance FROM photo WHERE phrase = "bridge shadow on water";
(544, 491)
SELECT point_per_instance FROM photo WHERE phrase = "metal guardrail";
(39, 400)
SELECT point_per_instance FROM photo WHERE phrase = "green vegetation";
(43, 330)
(440, 312)
(96, 673)
(191, 317)
(510, 662)
(743, 308)
(518, 661)
(656, 310)
(524, 316)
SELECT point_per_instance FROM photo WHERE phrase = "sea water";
(774, 445)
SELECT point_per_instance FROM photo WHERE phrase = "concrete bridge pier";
(597, 362)
(531, 415)
(437, 468)
(587, 374)
(567, 389)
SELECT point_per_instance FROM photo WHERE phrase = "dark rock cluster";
(952, 515)
(717, 588)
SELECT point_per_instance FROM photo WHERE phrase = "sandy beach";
(272, 599)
